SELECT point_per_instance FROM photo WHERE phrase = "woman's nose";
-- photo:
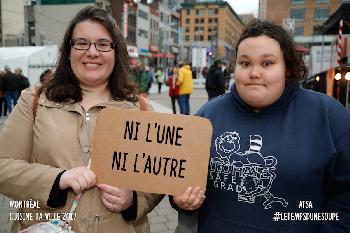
(92, 51)
(255, 72)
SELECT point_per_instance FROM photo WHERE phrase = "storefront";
(334, 82)
(155, 55)
(144, 56)
(133, 54)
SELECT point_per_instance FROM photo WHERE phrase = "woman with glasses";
(45, 146)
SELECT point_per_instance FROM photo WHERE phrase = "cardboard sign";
(151, 152)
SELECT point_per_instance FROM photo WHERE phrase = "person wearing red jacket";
(173, 88)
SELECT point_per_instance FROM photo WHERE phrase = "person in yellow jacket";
(185, 88)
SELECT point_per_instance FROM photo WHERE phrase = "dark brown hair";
(64, 85)
(295, 66)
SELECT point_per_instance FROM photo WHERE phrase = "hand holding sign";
(151, 152)
(192, 199)
(115, 199)
(78, 178)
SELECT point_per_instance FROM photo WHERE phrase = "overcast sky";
(245, 6)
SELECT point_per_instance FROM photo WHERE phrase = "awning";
(144, 52)
(157, 55)
(302, 49)
(331, 26)
(170, 56)
(153, 48)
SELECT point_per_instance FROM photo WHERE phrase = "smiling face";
(260, 71)
(91, 67)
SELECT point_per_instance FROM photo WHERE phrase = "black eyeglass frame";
(72, 43)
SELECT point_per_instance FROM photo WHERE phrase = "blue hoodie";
(287, 161)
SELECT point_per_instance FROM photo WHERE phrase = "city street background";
(163, 219)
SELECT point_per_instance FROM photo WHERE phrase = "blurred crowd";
(179, 79)
(11, 85)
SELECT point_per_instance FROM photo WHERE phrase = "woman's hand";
(115, 199)
(192, 199)
(79, 179)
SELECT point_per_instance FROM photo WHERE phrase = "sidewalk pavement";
(163, 219)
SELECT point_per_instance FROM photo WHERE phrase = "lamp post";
(347, 77)
(337, 77)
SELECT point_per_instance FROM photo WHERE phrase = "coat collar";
(72, 106)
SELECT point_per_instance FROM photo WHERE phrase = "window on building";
(298, 1)
(187, 29)
(196, 20)
(143, 33)
(216, 20)
(216, 11)
(132, 20)
(210, 20)
(318, 30)
(298, 14)
(299, 31)
(131, 37)
(201, 38)
(321, 14)
(196, 29)
(143, 14)
(200, 12)
(202, 20)
(211, 11)
(187, 38)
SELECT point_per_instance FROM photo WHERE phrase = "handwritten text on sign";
(151, 152)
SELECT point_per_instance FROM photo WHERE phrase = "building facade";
(304, 17)
(211, 25)
(151, 28)
(12, 23)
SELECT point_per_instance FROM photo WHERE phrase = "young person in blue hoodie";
(280, 154)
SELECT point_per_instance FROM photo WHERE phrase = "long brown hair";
(64, 86)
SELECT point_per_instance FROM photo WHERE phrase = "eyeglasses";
(84, 44)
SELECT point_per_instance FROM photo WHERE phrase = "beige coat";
(32, 154)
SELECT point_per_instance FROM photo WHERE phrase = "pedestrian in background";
(173, 88)
(215, 81)
(45, 153)
(228, 75)
(140, 77)
(12, 88)
(277, 148)
(160, 78)
(185, 83)
(194, 71)
(3, 106)
(205, 71)
(23, 81)
(150, 78)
